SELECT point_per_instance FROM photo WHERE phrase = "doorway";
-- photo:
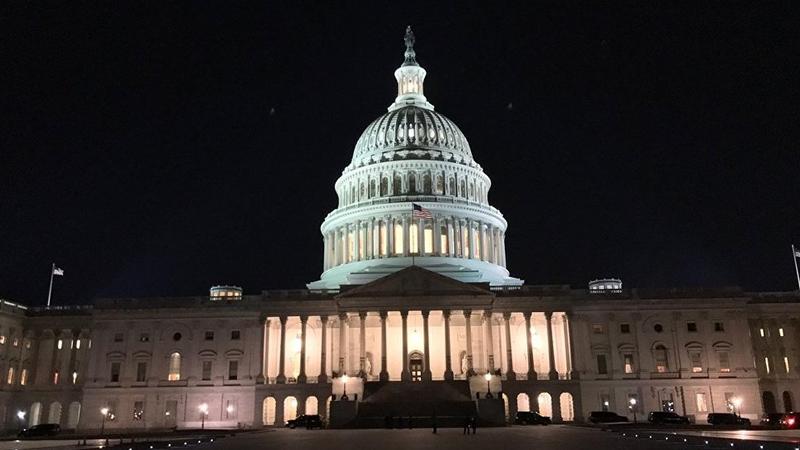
(415, 366)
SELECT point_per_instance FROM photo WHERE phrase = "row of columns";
(463, 238)
(412, 185)
(426, 375)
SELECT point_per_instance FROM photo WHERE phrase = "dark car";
(531, 418)
(773, 420)
(663, 418)
(606, 417)
(305, 421)
(44, 429)
(717, 419)
(790, 420)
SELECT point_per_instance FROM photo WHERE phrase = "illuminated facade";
(406, 308)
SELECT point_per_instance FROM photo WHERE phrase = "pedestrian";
(466, 425)
(474, 425)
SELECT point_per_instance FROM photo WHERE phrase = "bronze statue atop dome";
(411, 56)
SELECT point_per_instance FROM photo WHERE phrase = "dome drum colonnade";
(413, 155)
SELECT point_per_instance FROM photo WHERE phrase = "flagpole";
(796, 273)
(50, 291)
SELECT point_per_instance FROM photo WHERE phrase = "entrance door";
(415, 366)
(171, 414)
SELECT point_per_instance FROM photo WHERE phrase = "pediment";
(418, 282)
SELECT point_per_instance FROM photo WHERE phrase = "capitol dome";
(413, 195)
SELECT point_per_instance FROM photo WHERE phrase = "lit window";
(597, 328)
(398, 239)
(382, 237)
(700, 401)
(15, 342)
(411, 131)
(724, 362)
(766, 363)
(413, 239)
(55, 377)
(10, 376)
(23, 377)
(78, 344)
(75, 377)
(174, 367)
(443, 242)
(780, 332)
(60, 344)
(786, 363)
(431, 133)
(628, 362)
(428, 239)
(2, 339)
(138, 410)
(761, 332)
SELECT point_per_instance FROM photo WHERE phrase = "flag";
(797, 253)
(57, 271)
(420, 213)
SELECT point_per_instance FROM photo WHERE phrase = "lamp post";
(203, 413)
(737, 405)
(488, 378)
(104, 411)
(632, 401)
(20, 418)
(344, 386)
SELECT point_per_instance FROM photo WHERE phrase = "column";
(510, 374)
(323, 352)
(503, 249)
(362, 340)
(467, 316)
(482, 241)
(426, 374)
(406, 375)
(281, 379)
(406, 235)
(548, 317)
(324, 252)
(357, 240)
(490, 343)
(264, 322)
(451, 245)
(531, 369)
(301, 377)
(436, 227)
(342, 342)
(448, 364)
(337, 252)
(384, 371)
(421, 236)
(573, 374)
(471, 240)
(389, 236)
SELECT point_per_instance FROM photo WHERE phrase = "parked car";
(791, 421)
(772, 420)
(44, 429)
(531, 418)
(606, 417)
(663, 417)
(717, 419)
(305, 421)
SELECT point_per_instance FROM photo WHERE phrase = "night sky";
(156, 149)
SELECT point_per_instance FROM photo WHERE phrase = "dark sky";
(160, 148)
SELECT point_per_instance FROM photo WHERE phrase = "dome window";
(411, 132)
(431, 133)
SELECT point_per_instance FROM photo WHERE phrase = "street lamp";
(203, 413)
(344, 386)
(488, 378)
(737, 405)
(104, 412)
(632, 401)
(21, 418)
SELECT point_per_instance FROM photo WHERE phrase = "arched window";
(54, 416)
(463, 190)
(10, 376)
(787, 402)
(362, 194)
(174, 367)
(413, 238)
(545, 402)
(35, 414)
(384, 187)
(268, 411)
(289, 408)
(567, 407)
(439, 190)
(426, 184)
(397, 186)
(372, 189)
(769, 402)
(427, 237)
(523, 402)
(398, 238)
(453, 190)
(382, 248)
(443, 241)
(412, 183)
(73, 415)
(312, 405)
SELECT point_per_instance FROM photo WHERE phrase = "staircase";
(393, 403)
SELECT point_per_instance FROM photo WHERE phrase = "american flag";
(420, 213)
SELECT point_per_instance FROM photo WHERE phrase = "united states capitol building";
(414, 314)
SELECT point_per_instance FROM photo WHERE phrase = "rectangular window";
(74, 377)
(55, 377)
(230, 409)
(719, 327)
(233, 370)
(597, 328)
(729, 396)
(207, 370)
(627, 360)
(697, 362)
(209, 335)
(144, 337)
(700, 402)
(427, 239)
(766, 363)
(235, 335)
(413, 238)
(761, 332)
(10, 376)
(625, 328)
(724, 362)
(117, 337)
(15, 342)
(602, 368)
(23, 377)
(138, 410)
(115, 366)
(443, 242)
(786, 363)
(691, 327)
(780, 332)
(60, 344)
(398, 239)
(141, 372)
